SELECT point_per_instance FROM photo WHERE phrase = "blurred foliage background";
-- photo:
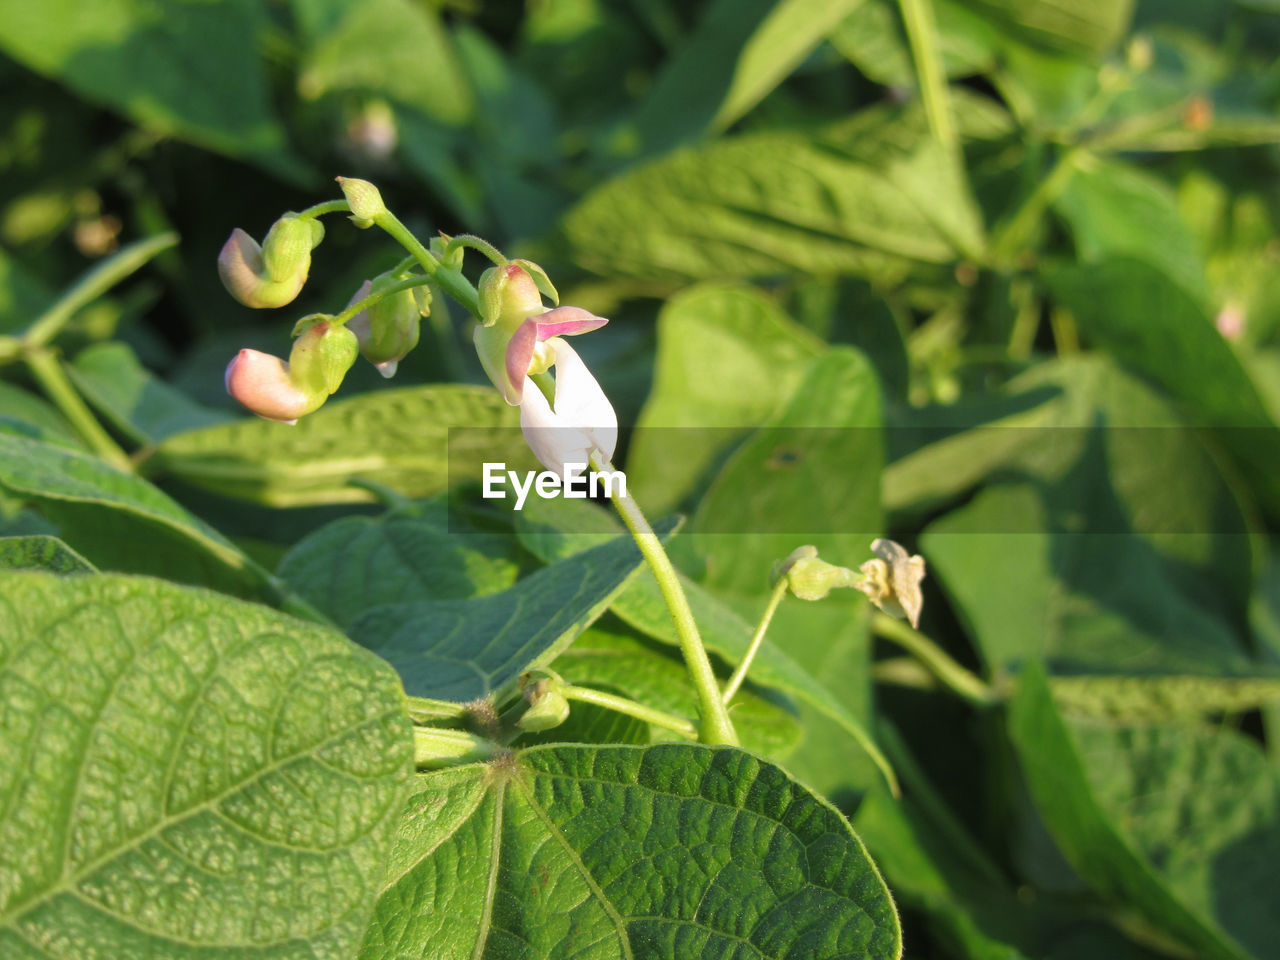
(914, 222)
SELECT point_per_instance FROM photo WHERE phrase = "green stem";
(715, 727)
(631, 708)
(47, 369)
(936, 660)
(475, 243)
(1065, 337)
(449, 279)
(740, 674)
(1015, 234)
(362, 305)
(328, 206)
(922, 34)
(94, 284)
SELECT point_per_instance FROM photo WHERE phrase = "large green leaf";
(811, 474)
(632, 852)
(465, 649)
(184, 67)
(866, 196)
(697, 409)
(121, 522)
(132, 398)
(41, 552)
(415, 440)
(186, 775)
(1180, 822)
(356, 563)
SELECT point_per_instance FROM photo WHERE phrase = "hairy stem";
(715, 725)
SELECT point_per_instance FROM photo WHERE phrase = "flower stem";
(328, 206)
(631, 708)
(715, 726)
(934, 659)
(740, 674)
(475, 243)
(449, 279)
(369, 301)
(47, 369)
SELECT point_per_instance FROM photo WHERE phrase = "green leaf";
(873, 39)
(696, 410)
(809, 475)
(18, 405)
(664, 851)
(119, 521)
(1087, 601)
(398, 438)
(867, 196)
(739, 51)
(466, 649)
(41, 552)
(394, 48)
(1074, 26)
(356, 563)
(1113, 302)
(1116, 209)
(656, 676)
(1178, 822)
(184, 67)
(1121, 441)
(136, 402)
(188, 775)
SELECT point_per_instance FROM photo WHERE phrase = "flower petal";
(560, 322)
(261, 383)
(582, 422)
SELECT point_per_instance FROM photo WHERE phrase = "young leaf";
(645, 853)
(464, 649)
(398, 438)
(188, 775)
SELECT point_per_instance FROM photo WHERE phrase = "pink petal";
(560, 322)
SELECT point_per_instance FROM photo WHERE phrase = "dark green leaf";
(665, 851)
(465, 649)
(357, 563)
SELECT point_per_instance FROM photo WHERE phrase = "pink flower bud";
(261, 383)
(244, 272)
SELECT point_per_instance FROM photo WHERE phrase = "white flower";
(582, 421)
